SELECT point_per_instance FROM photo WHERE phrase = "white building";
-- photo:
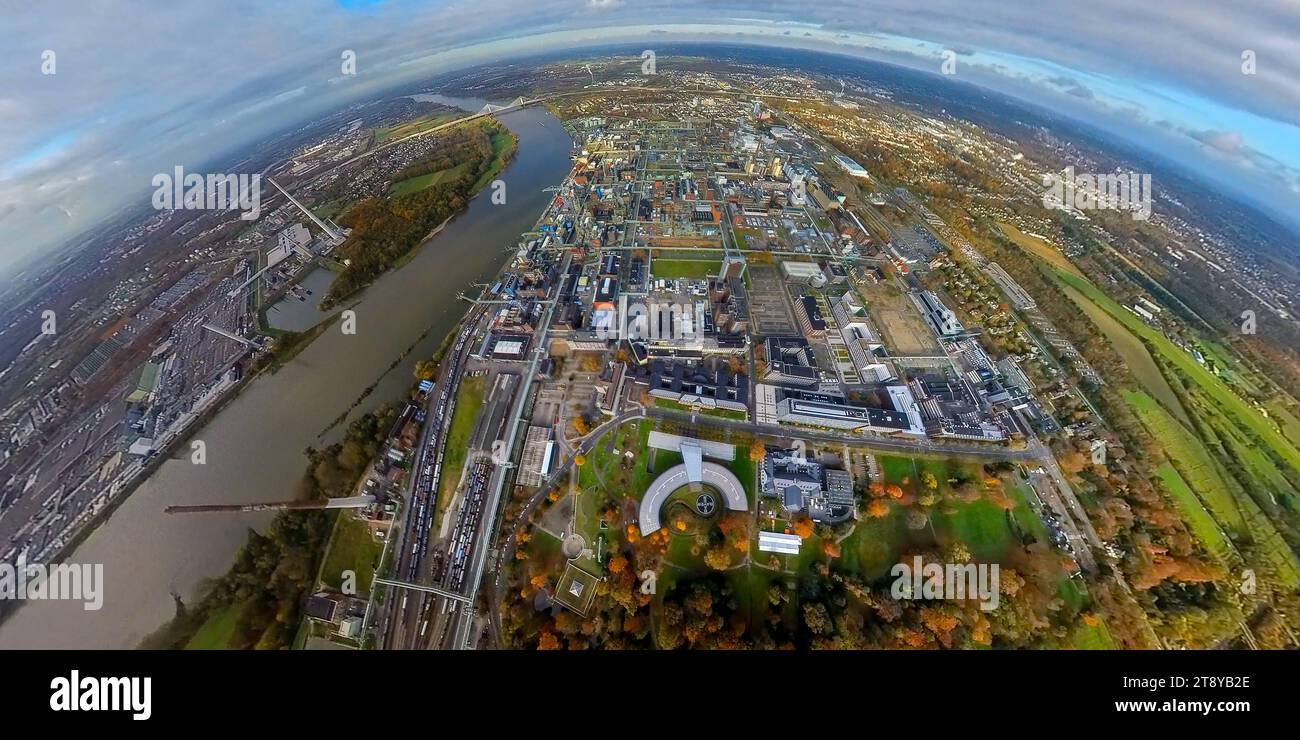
(938, 316)
(293, 238)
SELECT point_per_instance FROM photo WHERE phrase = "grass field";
(1135, 355)
(217, 632)
(504, 144)
(413, 127)
(469, 401)
(416, 184)
(353, 548)
(684, 268)
(1229, 401)
(1196, 474)
(1290, 424)
(1229, 426)
(1202, 523)
(1194, 463)
(705, 254)
(1039, 248)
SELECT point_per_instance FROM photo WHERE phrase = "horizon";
(53, 172)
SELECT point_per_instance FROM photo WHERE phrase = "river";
(255, 445)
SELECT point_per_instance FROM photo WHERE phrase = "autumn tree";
(878, 509)
(831, 548)
(617, 564)
(817, 619)
(425, 369)
(717, 558)
(803, 526)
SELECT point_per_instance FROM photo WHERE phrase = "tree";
(757, 451)
(878, 509)
(548, 641)
(425, 369)
(580, 426)
(803, 526)
(717, 558)
(817, 619)
(917, 519)
(617, 564)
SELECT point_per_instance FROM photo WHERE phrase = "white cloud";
(145, 87)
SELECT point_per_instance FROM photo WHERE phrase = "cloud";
(147, 89)
(1228, 142)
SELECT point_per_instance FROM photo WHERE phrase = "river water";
(255, 445)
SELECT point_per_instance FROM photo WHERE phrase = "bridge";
(426, 589)
(518, 102)
(230, 335)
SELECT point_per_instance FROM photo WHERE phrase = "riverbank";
(255, 445)
(376, 224)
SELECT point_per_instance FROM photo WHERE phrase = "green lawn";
(469, 401)
(1195, 465)
(670, 269)
(981, 526)
(1194, 513)
(875, 545)
(413, 127)
(351, 548)
(504, 145)
(666, 403)
(1229, 401)
(216, 633)
(416, 184)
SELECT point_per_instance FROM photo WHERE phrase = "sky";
(96, 96)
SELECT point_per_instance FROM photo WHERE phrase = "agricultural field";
(1041, 249)
(1226, 417)
(1134, 353)
(415, 126)
(1223, 396)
